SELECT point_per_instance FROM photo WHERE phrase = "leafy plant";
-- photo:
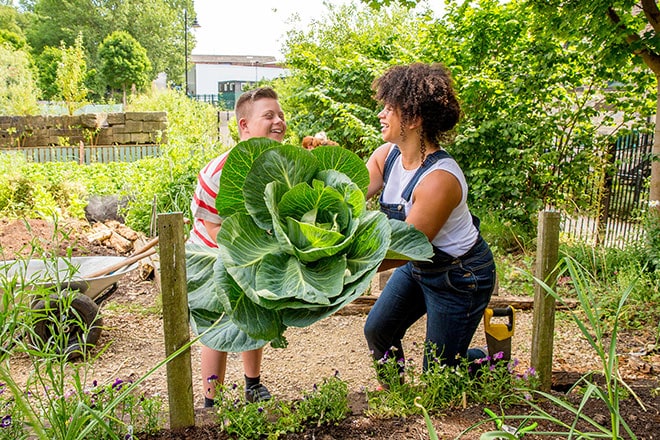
(406, 392)
(296, 244)
(598, 335)
(57, 400)
(324, 404)
(602, 337)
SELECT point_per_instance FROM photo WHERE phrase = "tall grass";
(602, 335)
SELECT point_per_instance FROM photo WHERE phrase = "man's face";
(265, 119)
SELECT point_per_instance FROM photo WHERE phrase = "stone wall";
(129, 128)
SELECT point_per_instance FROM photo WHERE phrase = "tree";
(333, 66)
(528, 97)
(10, 29)
(47, 63)
(156, 24)
(618, 31)
(18, 91)
(124, 62)
(70, 75)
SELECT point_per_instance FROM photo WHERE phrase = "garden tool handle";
(143, 252)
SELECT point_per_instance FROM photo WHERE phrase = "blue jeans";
(452, 292)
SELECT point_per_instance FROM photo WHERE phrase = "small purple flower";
(336, 373)
(260, 409)
(499, 355)
(212, 378)
(117, 384)
(234, 386)
(315, 387)
(531, 372)
(95, 383)
(5, 422)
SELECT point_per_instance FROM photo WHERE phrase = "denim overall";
(452, 292)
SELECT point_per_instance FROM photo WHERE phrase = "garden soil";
(132, 342)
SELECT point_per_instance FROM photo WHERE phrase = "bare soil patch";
(134, 337)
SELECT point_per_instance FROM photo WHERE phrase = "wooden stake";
(175, 319)
(543, 327)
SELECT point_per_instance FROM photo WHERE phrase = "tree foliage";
(334, 65)
(124, 62)
(622, 33)
(529, 97)
(156, 24)
(47, 63)
(70, 75)
(18, 93)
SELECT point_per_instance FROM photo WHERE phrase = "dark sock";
(208, 403)
(252, 381)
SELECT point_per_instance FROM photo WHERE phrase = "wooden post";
(547, 255)
(175, 319)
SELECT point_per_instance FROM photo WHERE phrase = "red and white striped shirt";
(203, 201)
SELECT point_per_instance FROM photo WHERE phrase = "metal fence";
(86, 154)
(222, 100)
(619, 196)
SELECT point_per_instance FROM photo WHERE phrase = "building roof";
(248, 60)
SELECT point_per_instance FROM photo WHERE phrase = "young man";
(258, 114)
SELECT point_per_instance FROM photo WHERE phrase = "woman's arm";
(376, 165)
(434, 199)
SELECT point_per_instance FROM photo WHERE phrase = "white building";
(216, 78)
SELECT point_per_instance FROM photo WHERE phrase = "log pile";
(124, 241)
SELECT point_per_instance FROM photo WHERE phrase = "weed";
(324, 404)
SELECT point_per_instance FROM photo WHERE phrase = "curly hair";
(424, 91)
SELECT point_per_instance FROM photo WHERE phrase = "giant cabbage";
(297, 243)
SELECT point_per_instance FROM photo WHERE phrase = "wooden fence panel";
(90, 154)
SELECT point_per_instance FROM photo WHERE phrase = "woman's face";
(390, 124)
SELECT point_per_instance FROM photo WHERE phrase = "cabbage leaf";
(297, 244)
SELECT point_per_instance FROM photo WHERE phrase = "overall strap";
(428, 162)
(389, 162)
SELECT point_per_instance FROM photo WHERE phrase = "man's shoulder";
(215, 165)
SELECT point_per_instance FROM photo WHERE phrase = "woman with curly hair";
(423, 185)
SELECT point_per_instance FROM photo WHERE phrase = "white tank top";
(458, 234)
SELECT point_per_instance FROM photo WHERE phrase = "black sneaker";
(257, 393)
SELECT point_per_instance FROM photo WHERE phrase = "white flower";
(654, 203)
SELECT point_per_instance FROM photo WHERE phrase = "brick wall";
(129, 128)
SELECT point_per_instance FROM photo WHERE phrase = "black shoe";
(257, 393)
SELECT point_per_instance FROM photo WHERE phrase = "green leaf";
(200, 261)
(283, 278)
(344, 161)
(206, 304)
(370, 245)
(243, 245)
(408, 243)
(247, 315)
(287, 166)
(230, 194)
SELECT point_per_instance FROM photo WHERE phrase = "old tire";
(76, 319)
